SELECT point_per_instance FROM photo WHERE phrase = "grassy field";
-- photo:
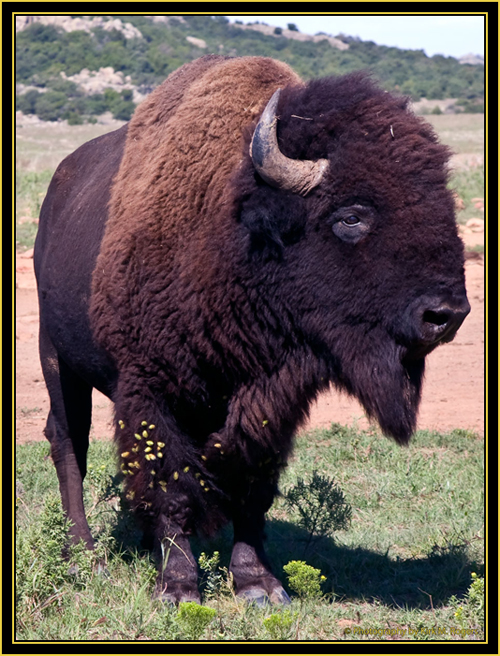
(409, 566)
(463, 133)
(39, 149)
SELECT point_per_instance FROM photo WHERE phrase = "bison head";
(348, 203)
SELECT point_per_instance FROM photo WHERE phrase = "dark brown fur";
(220, 307)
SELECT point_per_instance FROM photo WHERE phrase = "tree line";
(44, 51)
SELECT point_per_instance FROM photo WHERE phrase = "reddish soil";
(453, 395)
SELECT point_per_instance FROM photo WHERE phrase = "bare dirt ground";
(453, 395)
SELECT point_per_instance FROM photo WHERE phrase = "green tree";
(27, 101)
(123, 110)
(50, 106)
(96, 104)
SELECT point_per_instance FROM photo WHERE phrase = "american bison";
(244, 242)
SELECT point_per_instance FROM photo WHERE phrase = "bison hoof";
(99, 568)
(257, 596)
(280, 597)
(175, 594)
(261, 598)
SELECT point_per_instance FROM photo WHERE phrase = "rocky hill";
(276, 32)
(87, 24)
(76, 68)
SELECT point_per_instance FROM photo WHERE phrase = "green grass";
(468, 183)
(43, 147)
(406, 563)
(31, 188)
(463, 133)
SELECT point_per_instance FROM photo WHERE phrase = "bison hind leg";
(67, 430)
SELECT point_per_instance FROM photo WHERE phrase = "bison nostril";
(437, 317)
(442, 321)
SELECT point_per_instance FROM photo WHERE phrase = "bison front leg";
(253, 447)
(177, 579)
(159, 465)
(252, 575)
(165, 516)
(164, 512)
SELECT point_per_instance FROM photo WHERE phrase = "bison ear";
(273, 219)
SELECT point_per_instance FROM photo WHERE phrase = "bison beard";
(386, 383)
(212, 296)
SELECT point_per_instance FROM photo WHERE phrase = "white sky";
(438, 34)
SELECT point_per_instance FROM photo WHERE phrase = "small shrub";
(217, 581)
(74, 118)
(471, 612)
(193, 619)
(41, 571)
(320, 505)
(27, 101)
(304, 580)
(279, 625)
(476, 595)
(50, 106)
(123, 111)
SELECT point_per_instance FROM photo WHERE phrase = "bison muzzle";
(244, 242)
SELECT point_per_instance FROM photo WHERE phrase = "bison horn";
(299, 176)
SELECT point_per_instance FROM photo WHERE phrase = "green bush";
(216, 580)
(470, 613)
(123, 110)
(319, 505)
(67, 87)
(27, 101)
(193, 619)
(471, 105)
(475, 596)
(50, 106)
(279, 625)
(41, 571)
(304, 580)
(96, 104)
(73, 118)
(120, 104)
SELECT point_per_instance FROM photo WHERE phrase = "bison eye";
(351, 221)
